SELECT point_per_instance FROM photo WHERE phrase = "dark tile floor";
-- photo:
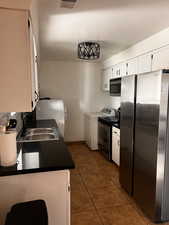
(97, 198)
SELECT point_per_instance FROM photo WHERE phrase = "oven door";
(105, 140)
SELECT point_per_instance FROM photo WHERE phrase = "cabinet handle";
(29, 23)
(69, 188)
(36, 96)
(36, 59)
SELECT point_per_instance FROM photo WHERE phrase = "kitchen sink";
(41, 137)
(39, 134)
(40, 131)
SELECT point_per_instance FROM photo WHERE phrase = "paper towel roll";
(8, 149)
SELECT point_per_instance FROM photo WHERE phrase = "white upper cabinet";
(116, 71)
(132, 66)
(152, 61)
(123, 69)
(16, 4)
(18, 62)
(34, 66)
(106, 76)
(145, 63)
(119, 70)
(161, 59)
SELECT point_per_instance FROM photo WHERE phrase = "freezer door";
(146, 142)
(127, 121)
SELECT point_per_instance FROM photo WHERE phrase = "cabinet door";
(118, 150)
(18, 66)
(94, 133)
(34, 69)
(119, 70)
(123, 71)
(116, 146)
(55, 191)
(132, 66)
(87, 131)
(145, 63)
(116, 71)
(36, 66)
(15, 85)
(19, 4)
(161, 59)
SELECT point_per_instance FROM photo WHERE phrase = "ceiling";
(115, 24)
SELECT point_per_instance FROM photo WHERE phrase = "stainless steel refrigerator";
(144, 153)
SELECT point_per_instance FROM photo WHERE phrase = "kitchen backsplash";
(4, 117)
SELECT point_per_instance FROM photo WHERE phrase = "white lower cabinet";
(91, 131)
(116, 145)
(52, 187)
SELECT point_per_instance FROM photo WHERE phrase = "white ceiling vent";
(70, 4)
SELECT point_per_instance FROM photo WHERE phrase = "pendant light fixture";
(88, 50)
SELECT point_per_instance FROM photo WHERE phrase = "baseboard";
(74, 142)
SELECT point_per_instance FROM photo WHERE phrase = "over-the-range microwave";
(115, 87)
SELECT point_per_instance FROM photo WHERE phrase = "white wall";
(154, 42)
(79, 85)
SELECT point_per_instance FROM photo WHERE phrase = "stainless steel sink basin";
(40, 131)
(39, 134)
(41, 137)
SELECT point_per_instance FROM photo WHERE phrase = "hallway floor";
(97, 198)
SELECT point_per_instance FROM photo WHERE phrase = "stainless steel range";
(105, 135)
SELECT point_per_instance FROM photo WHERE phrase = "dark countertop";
(43, 156)
(109, 121)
